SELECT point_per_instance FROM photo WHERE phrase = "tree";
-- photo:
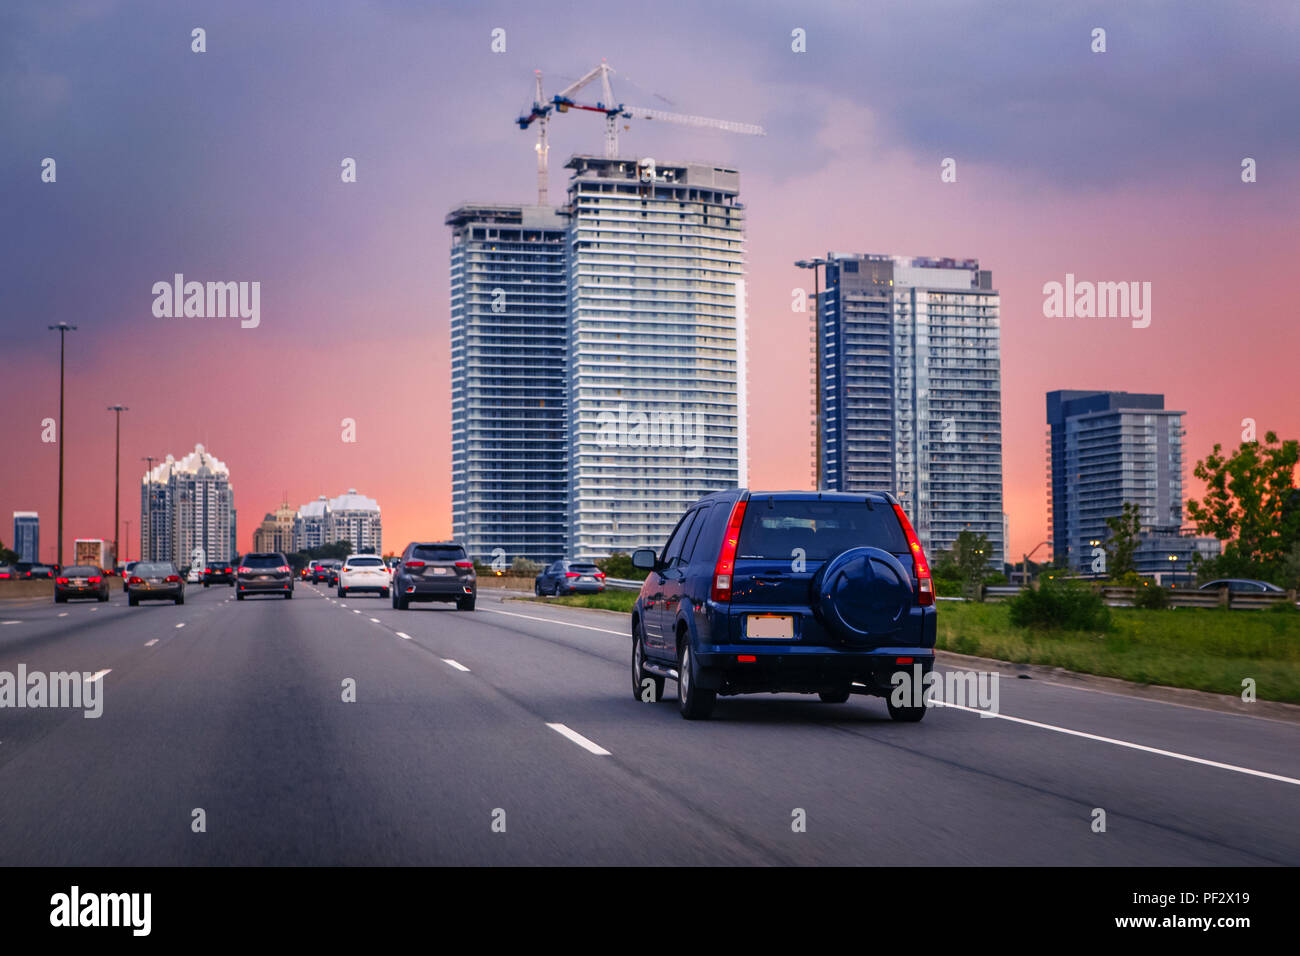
(967, 561)
(1251, 503)
(619, 565)
(7, 556)
(1125, 531)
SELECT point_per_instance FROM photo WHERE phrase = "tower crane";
(563, 101)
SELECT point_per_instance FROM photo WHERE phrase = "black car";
(220, 572)
(81, 581)
(435, 571)
(570, 577)
(266, 572)
(797, 592)
(154, 581)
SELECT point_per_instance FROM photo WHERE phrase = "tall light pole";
(117, 480)
(128, 542)
(817, 352)
(63, 328)
(148, 509)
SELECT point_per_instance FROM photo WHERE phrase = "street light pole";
(817, 354)
(117, 480)
(148, 509)
(63, 328)
(128, 542)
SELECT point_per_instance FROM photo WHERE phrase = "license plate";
(79, 582)
(155, 581)
(769, 625)
(264, 577)
(588, 580)
(439, 570)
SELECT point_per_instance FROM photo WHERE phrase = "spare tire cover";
(863, 593)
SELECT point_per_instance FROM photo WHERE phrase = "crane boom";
(730, 126)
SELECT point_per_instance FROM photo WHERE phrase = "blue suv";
(784, 592)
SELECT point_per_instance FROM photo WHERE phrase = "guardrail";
(623, 584)
(1127, 597)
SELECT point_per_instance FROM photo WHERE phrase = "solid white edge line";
(456, 664)
(151, 643)
(552, 620)
(578, 739)
(97, 675)
(403, 635)
(1124, 743)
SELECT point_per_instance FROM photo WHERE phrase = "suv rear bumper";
(794, 669)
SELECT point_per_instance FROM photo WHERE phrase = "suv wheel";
(467, 604)
(400, 603)
(837, 696)
(908, 715)
(342, 591)
(695, 703)
(639, 676)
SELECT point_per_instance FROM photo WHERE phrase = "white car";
(364, 572)
(194, 577)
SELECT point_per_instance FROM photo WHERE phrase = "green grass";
(1210, 649)
(610, 600)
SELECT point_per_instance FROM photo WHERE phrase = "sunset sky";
(225, 165)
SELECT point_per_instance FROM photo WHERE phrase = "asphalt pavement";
(509, 735)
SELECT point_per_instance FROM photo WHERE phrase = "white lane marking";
(456, 664)
(97, 675)
(94, 609)
(151, 643)
(182, 624)
(64, 614)
(374, 620)
(403, 635)
(1126, 743)
(578, 739)
(61, 614)
(355, 611)
(551, 620)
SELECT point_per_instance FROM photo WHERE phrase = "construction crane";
(563, 101)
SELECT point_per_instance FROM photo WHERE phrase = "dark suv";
(569, 577)
(797, 592)
(222, 572)
(266, 572)
(435, 571)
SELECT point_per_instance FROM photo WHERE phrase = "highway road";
(520, 715)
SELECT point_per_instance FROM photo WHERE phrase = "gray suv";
(435, 571)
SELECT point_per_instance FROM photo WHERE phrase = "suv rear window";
(80, 571)
(365, 563)
(583, 567)
(438, 552)
(821, 528)
(262, 561)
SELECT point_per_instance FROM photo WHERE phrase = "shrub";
(1060, 604)
(523, 568)
(619, 565)
(1152, 597)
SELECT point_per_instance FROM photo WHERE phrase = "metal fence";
(1127, 597)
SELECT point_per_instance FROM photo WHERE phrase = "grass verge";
(610, 600)
(1209, 649)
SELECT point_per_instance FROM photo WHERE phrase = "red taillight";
(601, 575)
(136, 581)
(283, 569)
(95, 580)
(464, 564)
(904, 660)
(924, 584)
(413, 564)
(722, 571)
(62, 581)
(227, 570)
(746, 658)
(572, 574)
(170, 579)
(243, 570)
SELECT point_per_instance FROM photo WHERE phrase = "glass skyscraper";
(1108, 448)
(27, 536)
(509, 330)
(656, 347)
(912, 400)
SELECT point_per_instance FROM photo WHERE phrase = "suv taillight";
(412, 564)
(924, 584)
(283, 569)
(722, 571)
(464, 564)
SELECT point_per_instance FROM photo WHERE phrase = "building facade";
(656, 333)
(509, 330)
(311, 525)
(276, 532)
(27, 536)
(186, 508)
(912, 400)
(1105, 449)
(355, 518)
